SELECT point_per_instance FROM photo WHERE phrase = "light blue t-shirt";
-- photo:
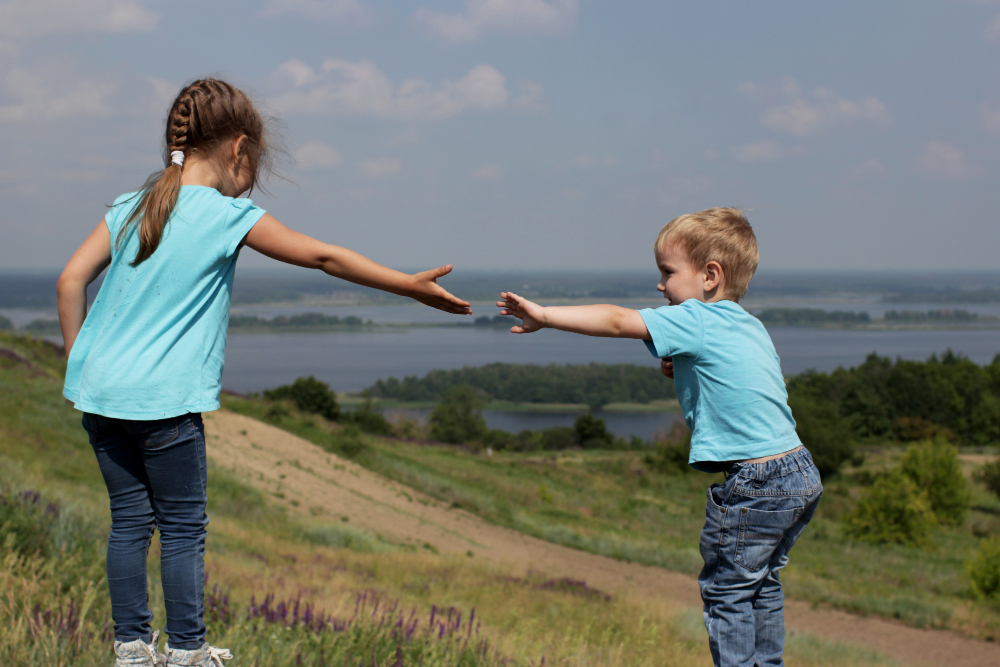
(728, 380)
(152, 345)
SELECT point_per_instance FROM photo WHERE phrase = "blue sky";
(531, 133)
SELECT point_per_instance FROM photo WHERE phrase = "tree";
(825, 434)
(309, 395)
(591, 432)
(458, 417)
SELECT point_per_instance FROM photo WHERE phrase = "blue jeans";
(751, 522)
(156, 476)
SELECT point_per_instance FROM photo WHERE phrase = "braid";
(179, 125)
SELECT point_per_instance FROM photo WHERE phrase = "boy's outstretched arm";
(599, 320)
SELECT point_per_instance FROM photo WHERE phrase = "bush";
(309, 395)
(671, 451)
(591, 432)
(989, 476)
(458, 417)
(894, 509)
(500, 440)
(369, 421)
(527, 441)
(983, 568)
(558, 437)
(825, 434)
(933, 466)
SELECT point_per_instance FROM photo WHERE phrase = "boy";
(733, 396)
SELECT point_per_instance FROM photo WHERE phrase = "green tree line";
(594, 385)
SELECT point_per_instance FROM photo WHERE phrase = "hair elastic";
(177, 157)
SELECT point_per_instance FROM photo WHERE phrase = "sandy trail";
(312, 481)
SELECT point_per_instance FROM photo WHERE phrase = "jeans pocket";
(760, 534)
(161, 435)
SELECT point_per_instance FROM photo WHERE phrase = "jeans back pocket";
(161, 435)
(761, 533)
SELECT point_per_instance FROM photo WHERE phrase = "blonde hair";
(716, 234)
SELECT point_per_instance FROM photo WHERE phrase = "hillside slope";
(317, 483)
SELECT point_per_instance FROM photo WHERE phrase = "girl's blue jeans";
(751, 522)
(156, 476)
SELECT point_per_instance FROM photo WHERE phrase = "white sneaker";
(138, 653)
(205, 656)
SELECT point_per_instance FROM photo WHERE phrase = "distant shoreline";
(355, 401)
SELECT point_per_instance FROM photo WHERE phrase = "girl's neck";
(197, 171)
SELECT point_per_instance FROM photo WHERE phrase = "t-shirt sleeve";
(674, 330)
(240, 219)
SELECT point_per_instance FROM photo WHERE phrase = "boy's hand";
(428, 292)
(530, 313)
(667, 367)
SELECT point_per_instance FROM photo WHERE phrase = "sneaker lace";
(217, 655)
(151, 650)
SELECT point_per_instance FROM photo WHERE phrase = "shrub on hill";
(983, 569)
(309, 395)
(893, 510)
(933, 466)
(458, 417)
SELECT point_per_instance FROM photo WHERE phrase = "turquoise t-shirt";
(728, 380)
(153, 342)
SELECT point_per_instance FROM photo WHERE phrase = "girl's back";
(152, 346)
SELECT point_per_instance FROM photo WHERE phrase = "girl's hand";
(532, 315)
(667, 367)
(428, 292)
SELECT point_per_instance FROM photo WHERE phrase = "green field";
(53, 596)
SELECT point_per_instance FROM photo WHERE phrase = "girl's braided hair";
(205, 116)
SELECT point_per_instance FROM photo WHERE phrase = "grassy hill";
(287, 590)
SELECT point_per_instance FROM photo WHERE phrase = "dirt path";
(312, 481)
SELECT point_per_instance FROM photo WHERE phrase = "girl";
(147, 359)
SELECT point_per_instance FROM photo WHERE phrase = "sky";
(530, 134)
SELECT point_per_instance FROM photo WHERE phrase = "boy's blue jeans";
(751, 522)
(156, 476)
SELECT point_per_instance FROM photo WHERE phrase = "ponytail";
(159, 194)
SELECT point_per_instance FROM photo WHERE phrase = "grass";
(368, 601)
(609, 503)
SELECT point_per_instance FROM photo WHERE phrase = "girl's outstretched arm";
(601, 320)
(92, 257)
(270, 237)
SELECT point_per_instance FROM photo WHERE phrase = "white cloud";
(509, 16)
(31, 18)
(378, 168)
(32, 96)
(868, 169)
(800, 115)
(762, 151)
(361, 88)
(942, 160)
(488, 172)
(989, 119)
(350, 11)
(317, 155)
(993, 30)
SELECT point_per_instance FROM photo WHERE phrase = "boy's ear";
(714, 275)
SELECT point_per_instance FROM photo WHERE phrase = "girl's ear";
(240, 147)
